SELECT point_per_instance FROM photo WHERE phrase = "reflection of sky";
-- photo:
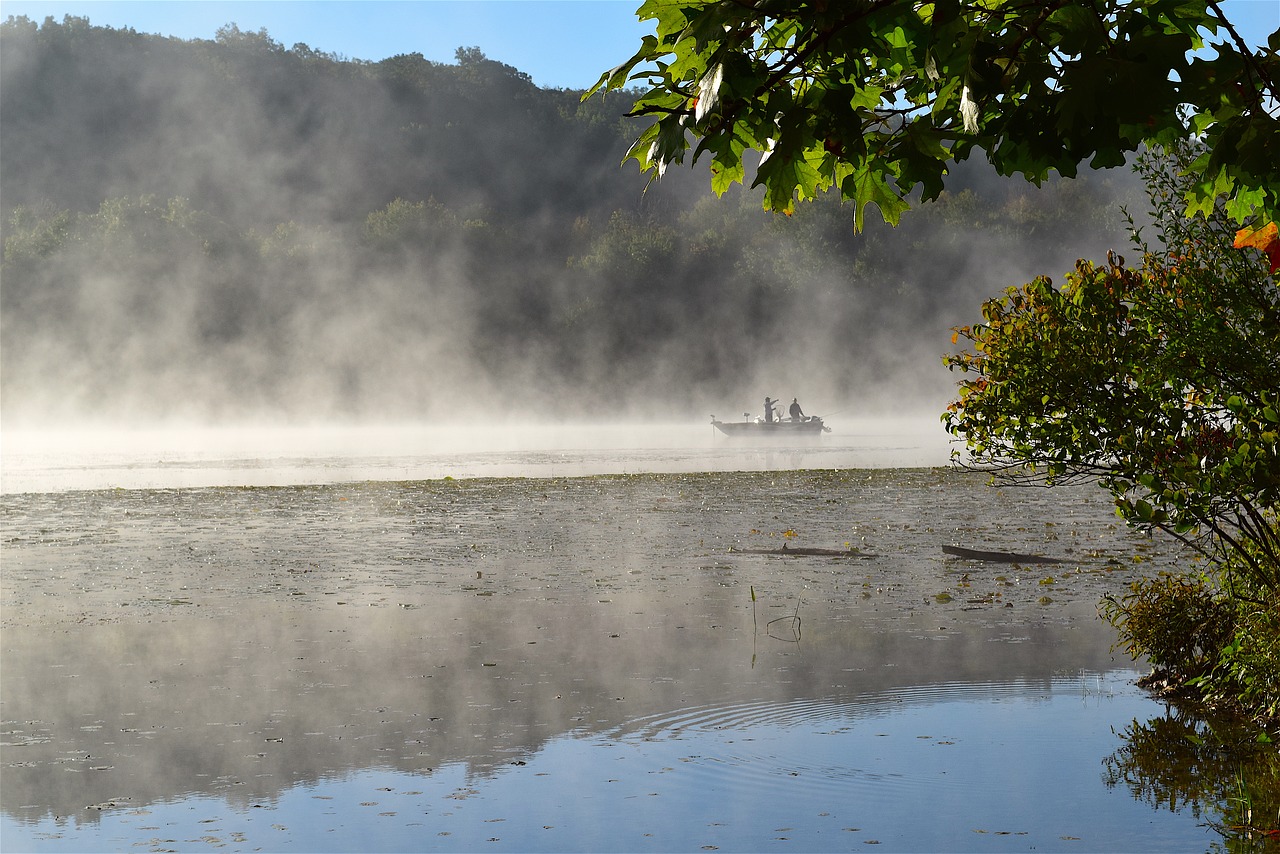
(960, 768)
(562, 666)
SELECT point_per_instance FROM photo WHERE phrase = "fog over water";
(227, 231)
(59, 460)
(495, 581)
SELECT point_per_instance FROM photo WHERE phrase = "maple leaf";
(1265, 239)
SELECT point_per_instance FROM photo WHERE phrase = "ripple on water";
(903, 743)
(951, 766)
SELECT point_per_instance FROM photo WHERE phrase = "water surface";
(567, 663)
(60, 459)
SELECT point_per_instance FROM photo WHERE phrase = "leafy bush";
(1159, 384)
(1247, 672)
(1178, 623)
(1248, 669)
(1217, 639)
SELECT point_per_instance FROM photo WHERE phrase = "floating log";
(802, 552)
(998, 557)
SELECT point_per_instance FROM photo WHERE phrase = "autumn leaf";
(1265, 240)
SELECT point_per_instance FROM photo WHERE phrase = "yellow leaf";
(1265, 239)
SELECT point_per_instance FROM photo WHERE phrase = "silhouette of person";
(797, 413)
(768, 410)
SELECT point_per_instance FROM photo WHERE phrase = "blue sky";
(565, 43)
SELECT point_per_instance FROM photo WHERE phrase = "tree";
(876, 97)
(1160, 381)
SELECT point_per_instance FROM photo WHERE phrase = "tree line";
(232, 228)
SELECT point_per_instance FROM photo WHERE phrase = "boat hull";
(771, 429)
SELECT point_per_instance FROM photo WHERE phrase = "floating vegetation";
(654, 570)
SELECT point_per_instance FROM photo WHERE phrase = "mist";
(228, 231)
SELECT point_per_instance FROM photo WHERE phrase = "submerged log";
(998, 557)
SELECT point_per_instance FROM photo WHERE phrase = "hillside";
(229, 229)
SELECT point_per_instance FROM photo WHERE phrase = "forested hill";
(253, 132)
(229, 228)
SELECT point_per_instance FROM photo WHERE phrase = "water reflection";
(642, 725)
(574, 664)
(1219, 772)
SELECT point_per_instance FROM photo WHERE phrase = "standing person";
(797, 414)
(768, 410)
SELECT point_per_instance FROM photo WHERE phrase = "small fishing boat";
(810, 425)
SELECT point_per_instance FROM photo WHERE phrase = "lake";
(564, 639)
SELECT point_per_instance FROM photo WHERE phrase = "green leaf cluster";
(1204, 640)
(1162, 383)
(874, 98)
(1178, 623)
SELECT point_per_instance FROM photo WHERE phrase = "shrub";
(1178, 623)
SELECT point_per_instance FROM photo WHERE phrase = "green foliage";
(874, 99)
(1178, 623)
(291, 241)
(1160, 382)
(1204, 638)
(30, 236)
(121, 229)
(403, 223)
(1247, 672)
(632, 247)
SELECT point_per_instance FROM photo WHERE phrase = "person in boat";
(768, 410)
(797, 414)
